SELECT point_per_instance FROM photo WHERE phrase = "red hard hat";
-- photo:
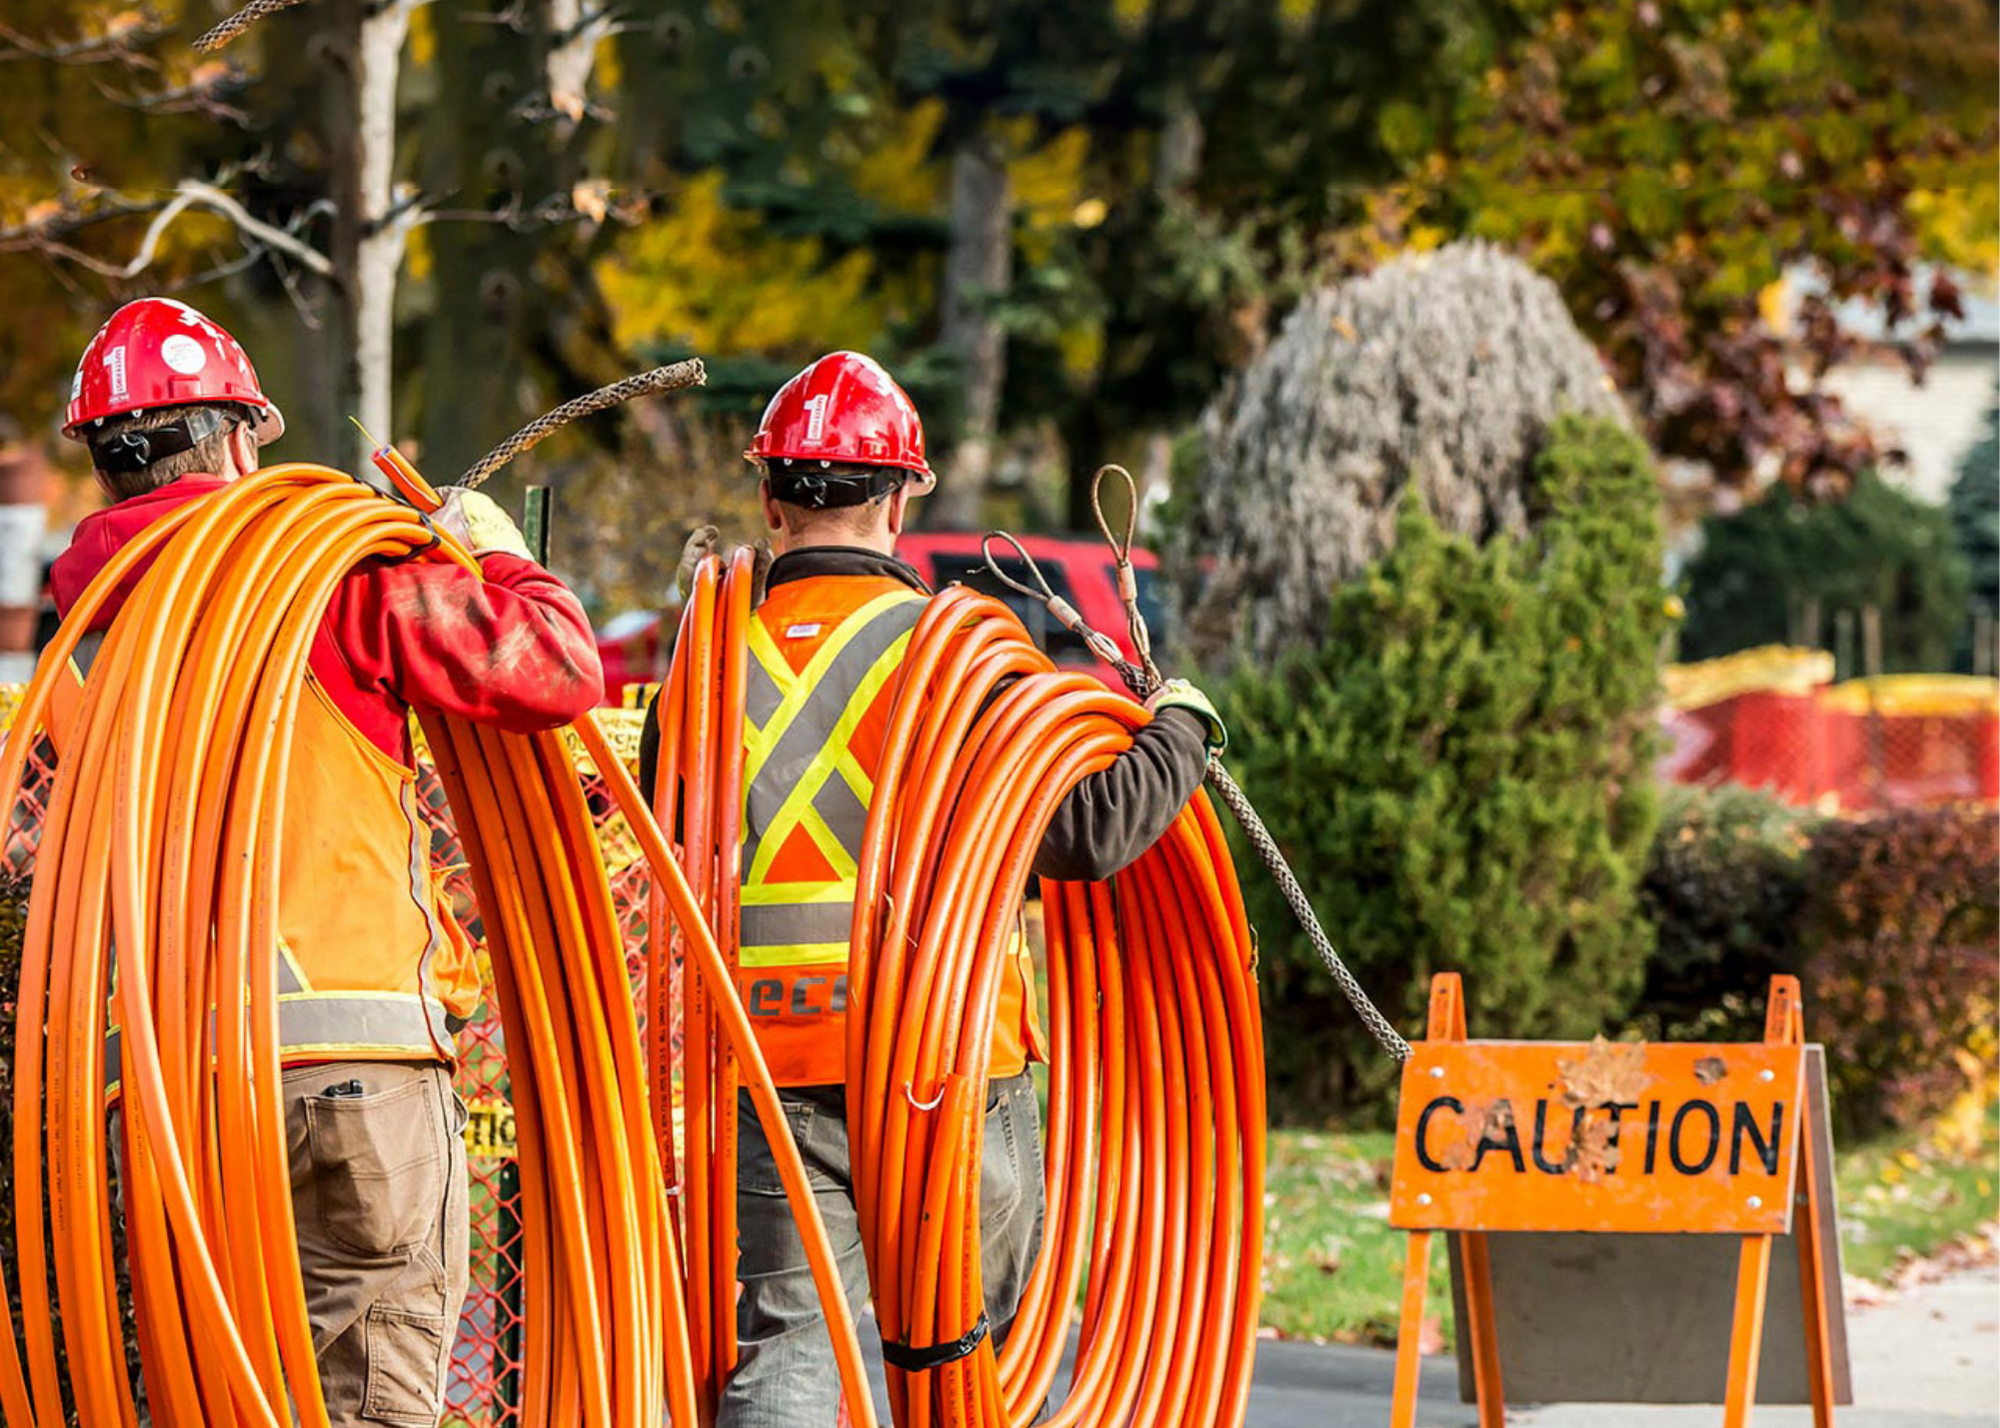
(157, 352)
(844, 407)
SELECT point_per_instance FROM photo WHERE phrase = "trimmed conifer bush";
(1461, 771)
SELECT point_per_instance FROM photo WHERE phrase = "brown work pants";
(379, 1195)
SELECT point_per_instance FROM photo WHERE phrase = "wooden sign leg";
(1482, 1336)
(1746, 1338)
(1409, 1354)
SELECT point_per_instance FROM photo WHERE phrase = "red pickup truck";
(637, 646)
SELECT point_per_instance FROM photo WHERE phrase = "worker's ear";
(242, 448)
(774, 515)
(899, 503)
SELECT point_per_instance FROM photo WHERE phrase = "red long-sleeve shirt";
(513, 650)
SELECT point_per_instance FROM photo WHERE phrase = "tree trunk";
(978, 268)
(379, 254)
(368, 238)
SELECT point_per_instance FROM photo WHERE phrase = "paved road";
(1930, 1359)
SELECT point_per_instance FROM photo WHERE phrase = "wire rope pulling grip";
(673, 377)
(1143, 679)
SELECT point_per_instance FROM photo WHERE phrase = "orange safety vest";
(824, 654)
(371, 960)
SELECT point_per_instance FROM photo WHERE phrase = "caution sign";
(1608, 1138)
(1603, 1136)
(489, 1129)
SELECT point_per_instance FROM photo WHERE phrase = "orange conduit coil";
(1155, 1170)
(170, 784)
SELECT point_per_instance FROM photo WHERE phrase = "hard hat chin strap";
(132, 450)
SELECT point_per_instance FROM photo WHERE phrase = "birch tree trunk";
(384, 232)
(978, 267)
(369, 233)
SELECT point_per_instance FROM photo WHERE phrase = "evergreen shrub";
(1461, 772)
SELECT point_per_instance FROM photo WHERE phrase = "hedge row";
(1890, 922)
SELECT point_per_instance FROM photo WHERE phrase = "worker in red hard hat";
(375, 975)
(841, 454)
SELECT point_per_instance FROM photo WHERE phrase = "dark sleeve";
(649, 748)
(1113, 816)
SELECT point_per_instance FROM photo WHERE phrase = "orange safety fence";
(486, 1366)
(1772, 718)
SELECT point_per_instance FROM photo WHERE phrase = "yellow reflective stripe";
(799, 687)
(796, 894)
(856, 777)
(799, 954)
(756, 741)
(797, 810)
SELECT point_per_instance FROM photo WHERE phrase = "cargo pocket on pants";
(379, 1166)
(406, 1364)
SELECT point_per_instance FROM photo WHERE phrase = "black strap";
(819, 490)
(911, 1360)
(133, 450)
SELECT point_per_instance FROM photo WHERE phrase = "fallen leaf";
(1482, 1118)
(1593, 1154)
(1609, 1073)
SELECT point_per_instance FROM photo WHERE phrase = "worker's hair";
(206, 456)
(833, 497)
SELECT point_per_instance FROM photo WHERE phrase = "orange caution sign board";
(1606, 1138)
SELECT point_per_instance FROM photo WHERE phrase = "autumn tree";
(1668, 161)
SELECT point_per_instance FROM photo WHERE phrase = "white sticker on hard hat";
(816, 417)
(114, 364)
(76, 385)
(185, 355)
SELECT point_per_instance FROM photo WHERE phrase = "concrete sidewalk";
(1928, 1359)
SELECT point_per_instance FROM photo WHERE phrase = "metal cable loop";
(1143, 681)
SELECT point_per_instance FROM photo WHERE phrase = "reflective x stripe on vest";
(801, 779)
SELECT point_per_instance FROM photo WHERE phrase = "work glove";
(1179, 694)
(707, 541)
(477, 523)
(700, 546)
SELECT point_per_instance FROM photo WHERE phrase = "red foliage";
(1904, 961)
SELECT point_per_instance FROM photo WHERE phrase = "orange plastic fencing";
(1773, 719)
(486, 1358)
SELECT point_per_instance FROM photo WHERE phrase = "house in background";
(1933, 424)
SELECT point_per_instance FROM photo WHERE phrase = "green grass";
(1910, 1195)
(1334, 1268)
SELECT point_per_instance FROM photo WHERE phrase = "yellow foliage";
(705, 276)
(423, 37)
(1960, 226)
(1082, 348)
(418, 258)
(897, 171)
(1961, 1130)
(1048, 182)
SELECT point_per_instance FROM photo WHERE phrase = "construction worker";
(376, 975)
(841, 454)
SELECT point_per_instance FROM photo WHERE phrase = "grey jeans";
(785, 1375)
